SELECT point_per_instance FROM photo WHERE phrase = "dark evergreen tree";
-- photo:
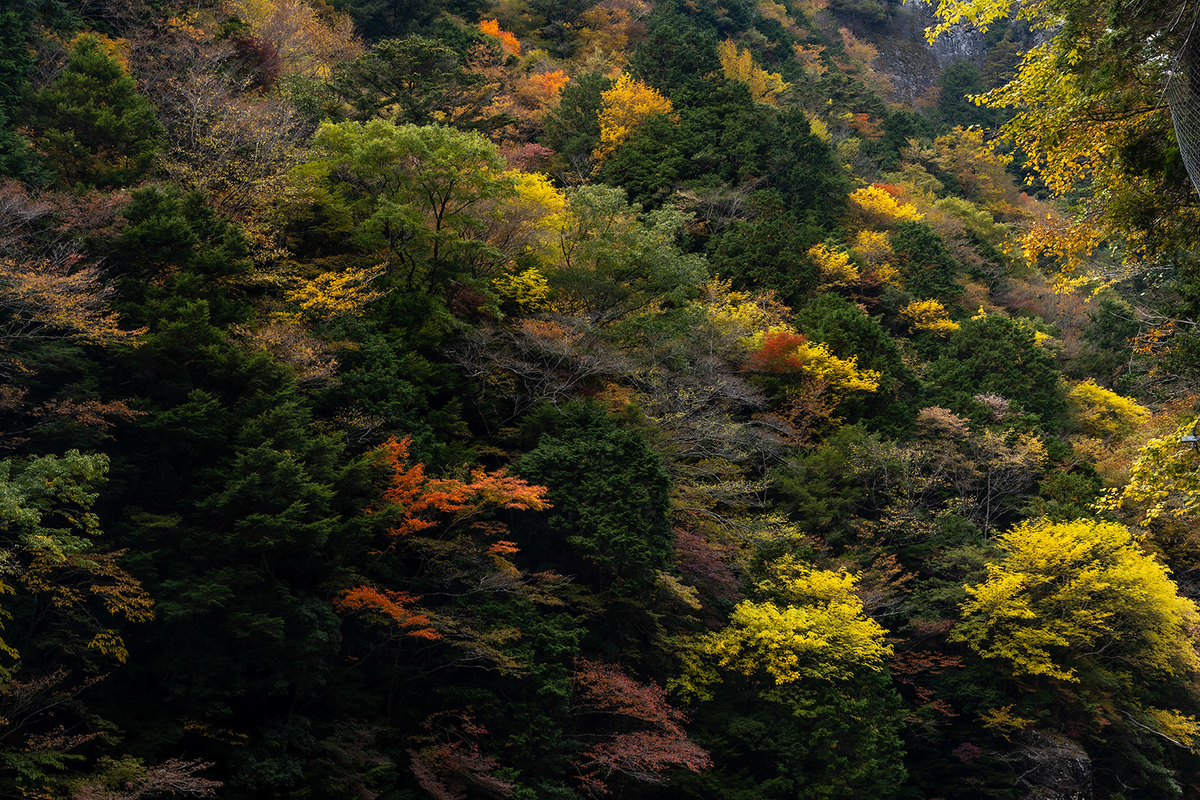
(999, 355)
(610, 497)
(91, 124)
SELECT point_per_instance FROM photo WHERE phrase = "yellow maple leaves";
(834, 269)
(333, 294)
(528, 290)
(1164, 478)
(738, 65)
(928, 316)
(810, 626)
(1068, 592)
(624, 108)
(1103, 413)
(874, 207)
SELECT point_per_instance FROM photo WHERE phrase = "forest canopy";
(461, 399)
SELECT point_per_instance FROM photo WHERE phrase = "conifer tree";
(92, 126)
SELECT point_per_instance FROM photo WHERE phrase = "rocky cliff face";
(1052, 767)
(915, 65)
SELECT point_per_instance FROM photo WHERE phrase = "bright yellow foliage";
(872, 206)
(526, 224)
(738, 65)
(536, 189)
(1164, 478)
(625, 107)
(335, 294)
(1103, 413)
(1074, 591)
(928, 316)
(818, 630)
(742, 316)
(981, 13)
(841, 376)
(834, 270)
(529, 289)
(1182, 728)
(875, 247)
(1073, 135)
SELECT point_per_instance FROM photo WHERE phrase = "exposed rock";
(1050, 766)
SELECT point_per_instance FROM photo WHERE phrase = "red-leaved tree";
(633, 730)
(446, 523)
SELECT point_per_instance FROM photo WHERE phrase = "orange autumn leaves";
(422, 503)
(395, 606)
(508, 41)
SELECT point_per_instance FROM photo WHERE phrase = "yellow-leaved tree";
(334, 294)
(1163, 479)
(810, 626)
(1066, 595)
(1090, 117)
(928, 316)
(834, 268)
(623, 108)
(738, 65)
(735, 320)
(781, 351)
(874, 207)
(1103, 413)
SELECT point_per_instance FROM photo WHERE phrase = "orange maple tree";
(424, 502)
(508, 40)
(421, 503)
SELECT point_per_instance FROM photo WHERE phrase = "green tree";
(930, 272)
(768, 250)
(618, 263)
(849, 332)
(609, 495)
(573, 127)
(1107, 341)
(417, 80)
(17, 158)
(413, 195)
(173, 251)
(996, 354)
(813, 659)
(960, 81)
(679, 50)
(93, 127)
(808, 173)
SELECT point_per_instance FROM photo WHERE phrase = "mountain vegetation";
(466, 399)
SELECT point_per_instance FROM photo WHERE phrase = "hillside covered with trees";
(646, 399)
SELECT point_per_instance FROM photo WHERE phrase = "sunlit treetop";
(1068, 593)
